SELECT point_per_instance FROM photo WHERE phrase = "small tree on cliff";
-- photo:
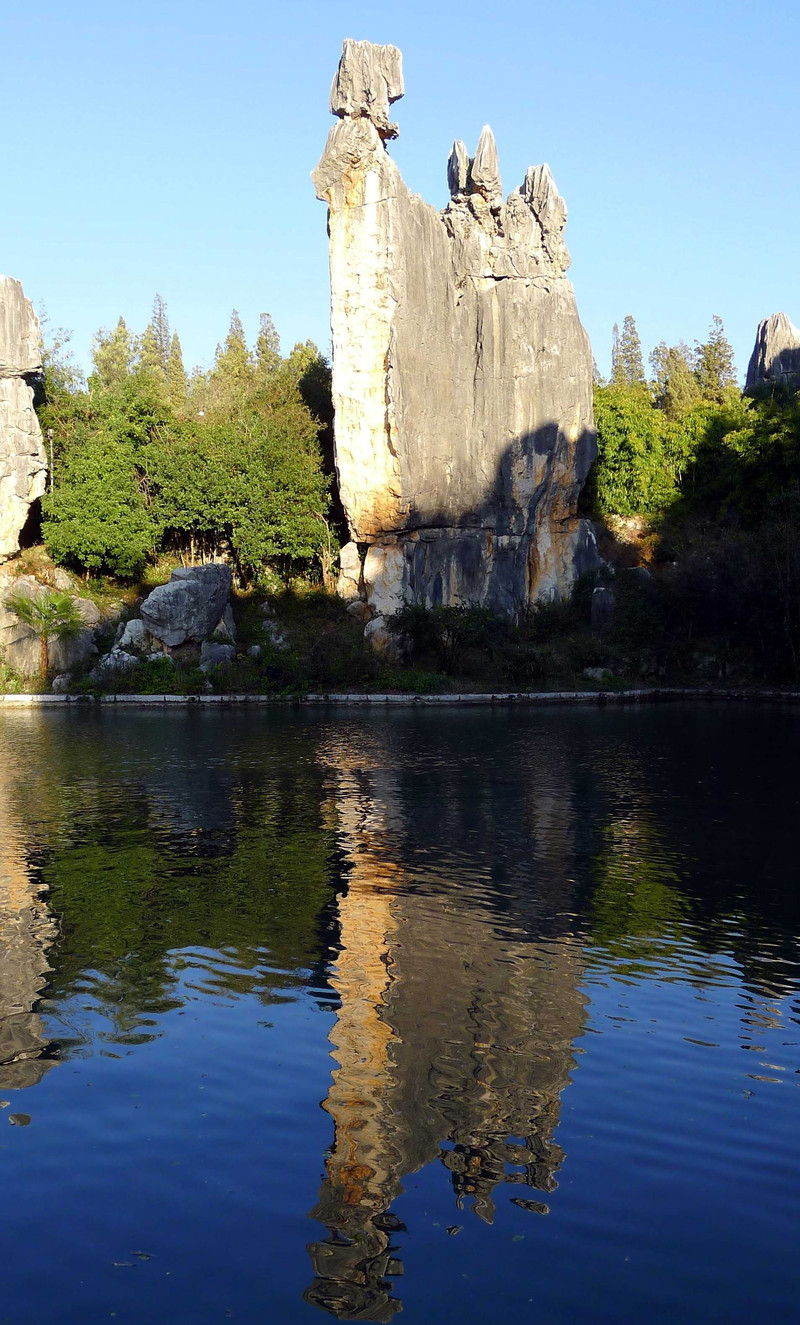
(51, 615)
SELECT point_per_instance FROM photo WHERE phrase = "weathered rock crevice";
(462, 377)
(23, 460)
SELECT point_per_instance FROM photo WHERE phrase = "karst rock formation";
(462, 377)
(776, 353)
(23, 461)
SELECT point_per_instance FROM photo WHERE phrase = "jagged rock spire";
(485, 171)
(776, 353)
(368, 80)
(458, 169)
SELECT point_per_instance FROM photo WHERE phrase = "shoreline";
(598, 698)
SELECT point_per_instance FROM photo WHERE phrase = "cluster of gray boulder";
(190, 613)
(189, 619)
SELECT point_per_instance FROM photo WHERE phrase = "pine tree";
(177, 383)
(113, 355)
(268, 347)
(156, 343)
(630, 354)
(617, 376)
(713, 363)
(675, 389)
(233, 362)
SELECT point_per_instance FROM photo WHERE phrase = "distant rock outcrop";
(462, 377)
(776, 354)
(23, 461)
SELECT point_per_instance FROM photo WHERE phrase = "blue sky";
(167, 147)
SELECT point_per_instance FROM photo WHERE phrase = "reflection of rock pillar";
(26, 931)
(360, 1038)
(360, 1180)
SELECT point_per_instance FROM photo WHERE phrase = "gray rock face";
(462, 377)
(776, 354)
(118, 660)
(134, 637)
(23, 461)
(368, 80)
(188, 608)
(214, 655)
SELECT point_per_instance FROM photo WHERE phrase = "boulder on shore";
(188, 608)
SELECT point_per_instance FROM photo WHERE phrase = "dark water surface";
(483, 1016)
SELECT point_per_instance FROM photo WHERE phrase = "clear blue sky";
(167, 147)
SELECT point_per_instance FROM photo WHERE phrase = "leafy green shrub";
(97, 516)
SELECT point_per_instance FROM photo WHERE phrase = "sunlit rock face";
(462, 377)
(776, 353)
(23, 461)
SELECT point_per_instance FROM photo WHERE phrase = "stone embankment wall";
(23, 460)
(462, 377)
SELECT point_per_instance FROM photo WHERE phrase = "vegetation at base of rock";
(693, 482)
(226, 463)
(709, 481)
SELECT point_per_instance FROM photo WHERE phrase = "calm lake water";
(481, 1016)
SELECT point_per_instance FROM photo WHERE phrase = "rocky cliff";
(23, 461)
(776, 353)
(462, 377)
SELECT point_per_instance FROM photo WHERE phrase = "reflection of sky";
(555, 1072)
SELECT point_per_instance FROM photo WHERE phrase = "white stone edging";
(489, 698)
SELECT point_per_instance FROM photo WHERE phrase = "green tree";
(50, 614)
(268, 347)
(713, 364)
(97, 517)
(251, 483)
(233, 363)
(113, 355)
(634, 472)
(155, 344)
(177, 382)
(675, 388)
(617, 372)
(631, 363)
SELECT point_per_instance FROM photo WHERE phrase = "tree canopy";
(225, 463)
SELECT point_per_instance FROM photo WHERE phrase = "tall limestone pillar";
(462, 377)
(23, 460)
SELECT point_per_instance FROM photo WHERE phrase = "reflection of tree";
(151, 846)
(453, 1038)
(636, 894)
(26, 933)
